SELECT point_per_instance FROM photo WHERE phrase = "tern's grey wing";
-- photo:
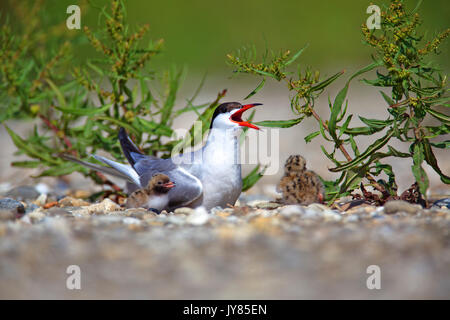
(187, 187)
(125, 175)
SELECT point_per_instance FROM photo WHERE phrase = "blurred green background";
(199, 33)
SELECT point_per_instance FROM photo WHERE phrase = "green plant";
(81, 111)
(417, 91)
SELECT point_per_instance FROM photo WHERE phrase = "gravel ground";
(256, 250)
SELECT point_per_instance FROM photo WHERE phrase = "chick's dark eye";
(159, 182)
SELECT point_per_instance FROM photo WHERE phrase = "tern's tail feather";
(128, 147)
(116, 169)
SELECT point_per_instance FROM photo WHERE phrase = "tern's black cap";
(224, 108)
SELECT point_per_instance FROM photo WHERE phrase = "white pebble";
(292, 210)
(199, 217)
(42, 188)
(131, 220)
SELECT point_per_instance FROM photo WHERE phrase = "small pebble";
(331, 215)
(6, 215)
(395, 206)
(184, 210)
(11, 204)
(199, 217)
(72, 202)
(442, 203)
(129, 220)
(41, 200)
(292, 210)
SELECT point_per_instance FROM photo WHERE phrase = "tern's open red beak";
(237, 116)
(169, 184)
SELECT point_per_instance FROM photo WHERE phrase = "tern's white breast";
(159, 202)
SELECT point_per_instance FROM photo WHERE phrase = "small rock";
(129, 220)
(442, 203)
(362, 209)
(199, 217)
(292, 210)
(23, 193)
(106, 205)
(263, 204)
(6, 215)
(395, 206)
(318, 207)
(42, 188)
(11, 204)
(36, 216)
(138, 213)
(352, 218)
(269, 205)
(184, 210)
(313, 213)
(174, 219)
(331, 215)
(377, 213)
(81, 194)
(72, 202)
(41, 200)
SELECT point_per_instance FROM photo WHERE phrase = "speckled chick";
(154, 196)
(300, 186)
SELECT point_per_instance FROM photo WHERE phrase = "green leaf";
(378, 144)
(26, 164)
(443, 117)
(152, 127)
(253, 177)
(336, 110)
(255, 91)
(329, 156)
(59, 95)
(85, 111)
(375, 123)
(397, 153)
(190, 108)
(325, 83)
(437, 130)
(418, 172)
(345, 125)
(120, 123)
(29, 148)
(295, 56)
(322, 132)
(431, 160)
(386, 98)
(337, 105)
(279, 123)
(311, 136)
(356, 131)
(63, 169)
(354, 146)
(174, 83)
(442, 145)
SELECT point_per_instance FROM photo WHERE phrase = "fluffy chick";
(154, 196)
(298, 184)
